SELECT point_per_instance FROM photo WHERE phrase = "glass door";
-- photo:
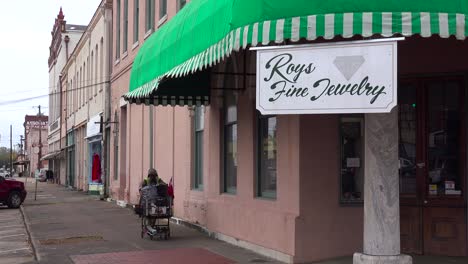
(432, 166)
(444, 217)
(410, 175)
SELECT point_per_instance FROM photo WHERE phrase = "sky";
(25, 28)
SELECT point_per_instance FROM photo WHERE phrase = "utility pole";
(23, 172)
(11, 152)
(40, 151)
(21, 144)
(39, 154)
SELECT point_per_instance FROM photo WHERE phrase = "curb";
(265, 252)
(28, 230)
(196, 227)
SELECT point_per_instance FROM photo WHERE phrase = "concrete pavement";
(14, 245)
(72, 227)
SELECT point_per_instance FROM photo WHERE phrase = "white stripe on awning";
(367, 24)
(245, 35)
(266, 33)
(425, 24)
(406, 25)
(443, 25)
(348, 25)
(279, 31)
(312, 27)
(295, 28)
(387, 24)
(329, 26)
(460, 26)
(237, 40)
(255, 35)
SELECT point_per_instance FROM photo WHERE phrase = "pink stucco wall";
(306, 220)
(325, 228)
(269, 223)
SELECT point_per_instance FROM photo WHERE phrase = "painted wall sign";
(347, 77)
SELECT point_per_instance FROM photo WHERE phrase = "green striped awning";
(205, 32)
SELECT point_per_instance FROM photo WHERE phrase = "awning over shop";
(179, 91)
(51, 155)
(206, 31)
(21, 162)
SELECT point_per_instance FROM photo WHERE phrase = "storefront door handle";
(421, 165)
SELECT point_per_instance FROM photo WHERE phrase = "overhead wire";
(56, 86)
(15, 101)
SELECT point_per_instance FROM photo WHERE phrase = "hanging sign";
(347, 77)
(93, 127)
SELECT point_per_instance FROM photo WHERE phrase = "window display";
(199, 125)
(407, 128)
(230, 143)
(352, 159)
(444, 140)
(266, 182)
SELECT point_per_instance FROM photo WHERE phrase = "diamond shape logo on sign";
(348, 65)
(347, 77)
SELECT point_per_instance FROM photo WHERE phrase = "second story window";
(136, 19)
(181, 4)
(162, 8)
(149, 15)
(125, 24)
(117, 31)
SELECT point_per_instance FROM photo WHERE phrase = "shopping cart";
(156, 213)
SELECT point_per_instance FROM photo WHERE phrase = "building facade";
(86, 82)
(64, 39)
(296, 187)
(35, 143)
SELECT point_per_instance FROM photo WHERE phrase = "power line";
(49, 94)
(58, 86)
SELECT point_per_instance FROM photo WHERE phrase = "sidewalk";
(72, 227)
(14, 246)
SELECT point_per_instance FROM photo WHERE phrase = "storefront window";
(70, 180)
(94, 159)
(230, 143)
(407, 135)
(266, 182)
(444, 139)
(352, 162)
(199, 125)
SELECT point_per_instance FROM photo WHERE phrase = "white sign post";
(347, 77)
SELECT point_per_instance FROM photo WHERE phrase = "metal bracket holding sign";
(329, 78)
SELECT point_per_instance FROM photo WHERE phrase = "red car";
(12, 192)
